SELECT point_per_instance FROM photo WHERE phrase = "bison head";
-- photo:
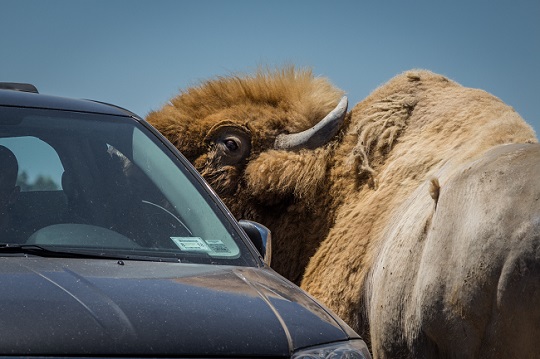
(262, 142)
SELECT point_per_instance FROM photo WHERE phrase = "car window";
(40, 168)
(106, 183)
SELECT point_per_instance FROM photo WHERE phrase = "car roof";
(35, 100)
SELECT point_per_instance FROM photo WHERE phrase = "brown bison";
(411, 216)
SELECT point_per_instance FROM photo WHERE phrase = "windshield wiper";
(37, 250)
(40, 251)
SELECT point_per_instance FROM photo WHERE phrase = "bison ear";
(231, 142)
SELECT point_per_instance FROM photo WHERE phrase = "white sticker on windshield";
(191, 244)
(217, 246)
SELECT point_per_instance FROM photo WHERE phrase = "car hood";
(107, 307)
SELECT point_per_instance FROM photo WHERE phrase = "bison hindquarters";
(460, 278)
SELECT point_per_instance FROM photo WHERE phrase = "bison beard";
(360, 220)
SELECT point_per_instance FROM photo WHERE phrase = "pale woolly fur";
(330, 208)
(378, 130)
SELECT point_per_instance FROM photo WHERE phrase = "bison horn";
(317, 135)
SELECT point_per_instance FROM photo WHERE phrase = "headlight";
(352, 349)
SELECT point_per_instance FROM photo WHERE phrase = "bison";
(415, 216)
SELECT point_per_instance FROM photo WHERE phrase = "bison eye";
(231, 144)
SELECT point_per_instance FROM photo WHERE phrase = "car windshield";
(102, 184)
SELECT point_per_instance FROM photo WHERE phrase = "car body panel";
(33, 100)
(109, 307)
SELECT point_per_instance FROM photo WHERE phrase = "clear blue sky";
(139, 53)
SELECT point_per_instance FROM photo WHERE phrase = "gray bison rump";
(464, 280)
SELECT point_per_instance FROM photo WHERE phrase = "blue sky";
(139, 53)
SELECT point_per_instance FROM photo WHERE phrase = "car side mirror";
(260, 236)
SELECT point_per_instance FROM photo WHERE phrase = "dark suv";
(112, 245)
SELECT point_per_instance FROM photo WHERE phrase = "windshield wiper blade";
(40, 251)
(37, 250)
